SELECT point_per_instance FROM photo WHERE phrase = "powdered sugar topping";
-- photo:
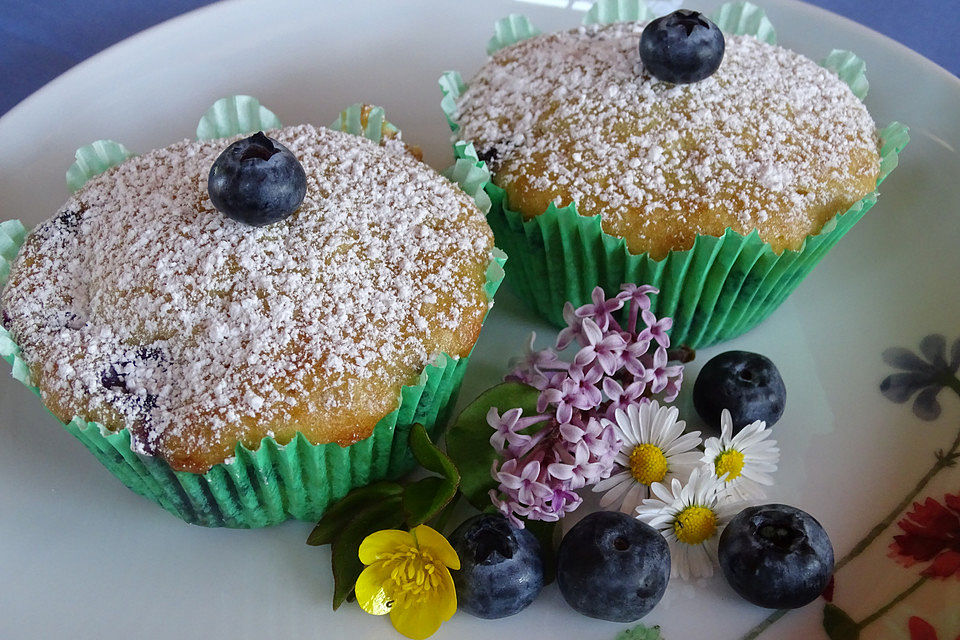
(140, 302)
(574, 114)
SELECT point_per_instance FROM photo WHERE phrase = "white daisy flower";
(654, 449)
(691, 517)
(747, 459)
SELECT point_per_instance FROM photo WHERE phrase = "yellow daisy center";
(648, 464)
(413, 573)
(695, 524)
(729, 462)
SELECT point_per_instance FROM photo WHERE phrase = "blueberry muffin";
(772, 141)
(604, 172)
(142, 308)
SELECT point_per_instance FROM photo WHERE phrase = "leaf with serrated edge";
(640, 632)
(344, 510)
(425, 498)
(344, 558)
(430, 457)
(838, 625)
(468, 439)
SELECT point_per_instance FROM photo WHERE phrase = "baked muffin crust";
(139, 305)
(771, 141)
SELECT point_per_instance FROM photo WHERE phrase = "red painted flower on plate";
(920, 629)
(931, 533)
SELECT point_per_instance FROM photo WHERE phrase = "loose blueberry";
(747, 384)
(776, 556)
(501, 570)
(257, 181)
(613, 567)
(681, 47)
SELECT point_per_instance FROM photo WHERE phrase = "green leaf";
(548, 534)
(640, 632)
(386, 514)
(430, 457)
(440, 521)
(838, 625)
(468, 439)
(337, 516)
(425, 498)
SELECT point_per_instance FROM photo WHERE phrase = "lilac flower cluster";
(548, 456)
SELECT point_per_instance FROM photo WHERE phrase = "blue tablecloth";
(40, 39)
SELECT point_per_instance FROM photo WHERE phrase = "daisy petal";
(610, 482)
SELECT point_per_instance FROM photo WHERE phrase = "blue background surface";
(40, 39)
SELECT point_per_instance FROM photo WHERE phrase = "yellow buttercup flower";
(407, 577)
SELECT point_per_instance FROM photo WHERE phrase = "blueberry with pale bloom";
(257, 181)
(776, 556)
(613, 567)
(746, 384)
(501, 569)
(682, 47)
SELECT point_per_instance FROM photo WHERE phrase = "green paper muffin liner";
(272, 483)
(607, 11)
(716, 290)
(93, 159)
(235, 115)
(509, 30)
(350, 120)
(744, 18)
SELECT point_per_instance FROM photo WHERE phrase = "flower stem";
(763, 624)
(941, 463)
(890, 605)
(684, 354)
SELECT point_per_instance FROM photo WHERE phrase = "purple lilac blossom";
(564, 446)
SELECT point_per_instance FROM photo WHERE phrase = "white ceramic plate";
(83, 557)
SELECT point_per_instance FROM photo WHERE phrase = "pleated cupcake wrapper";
(235, 115)
(716, 290)
(273, 482)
